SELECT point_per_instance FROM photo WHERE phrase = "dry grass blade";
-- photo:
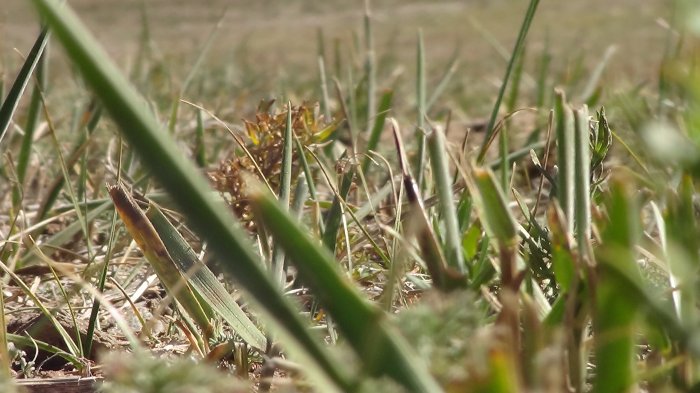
(150, 243)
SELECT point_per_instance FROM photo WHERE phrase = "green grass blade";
(582, 185)
(308, 175)
(616, 306)
(491, 206)
(566, 181)
(443, 183)
(71, 191)
(517, 50)
(334, 215)
(5, 362)
(200, 152)
(193, 71)
(501, 227)
(205, 211)
(543, 72)
(285, 191)
(203, 281)
(419, 225)
(101, 280)
(420, 109)
(679, 243)
(54, 190)
(9, 105)
(32, 117)
(379, 121)
(377, 344)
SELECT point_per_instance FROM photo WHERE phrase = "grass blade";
(67, 233)
(443, 278)
(284, 191)
(379, 120)
(565, 158)
(582, 186)
(616, 306)
(200, 152)
(325, 102)
(420, 109)
(377, 344)
(589, 91)
(444, 81)
(30, 343)
(443, 183)
(32, 118)
(67, 339)
(519, 45)
(334, 215)
(7, 110)
(491, 206)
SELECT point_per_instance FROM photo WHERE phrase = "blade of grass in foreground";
(207, 214)
(380, 347)
(616, 305)
(7, 110)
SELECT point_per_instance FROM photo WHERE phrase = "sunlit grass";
(542, 262)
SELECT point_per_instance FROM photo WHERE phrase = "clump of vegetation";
(261, 158)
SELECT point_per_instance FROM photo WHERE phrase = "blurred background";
(264, 49)
(276, 35)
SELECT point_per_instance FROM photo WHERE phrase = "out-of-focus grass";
(275, 40)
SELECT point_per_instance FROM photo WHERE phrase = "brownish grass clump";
(262, 156)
